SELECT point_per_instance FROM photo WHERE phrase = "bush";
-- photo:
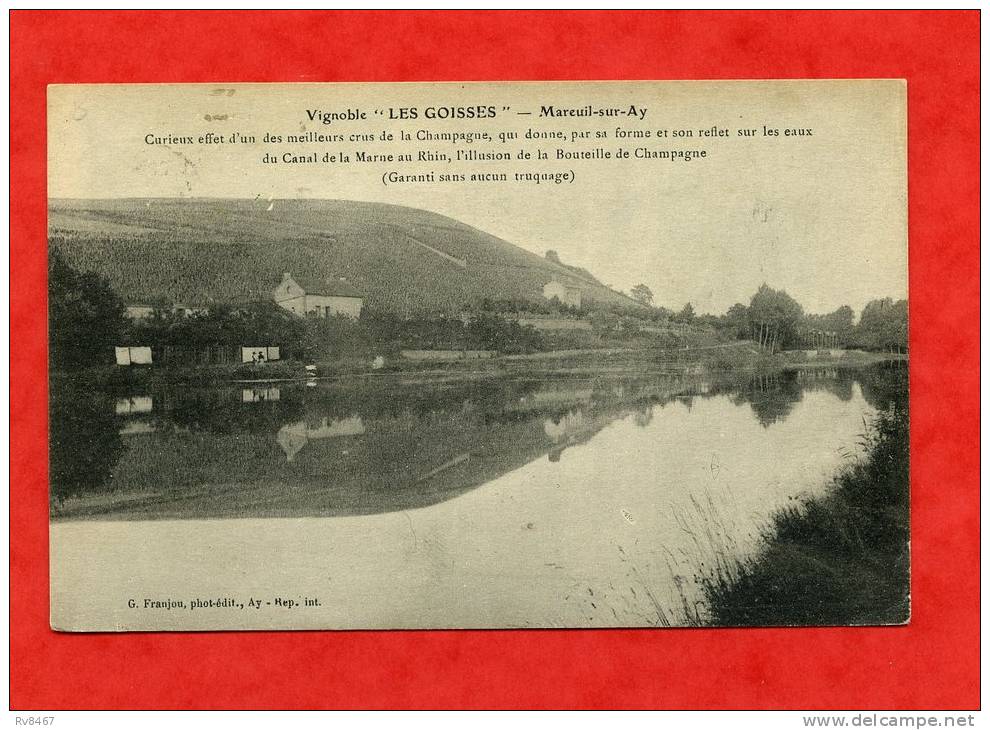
(491, 332)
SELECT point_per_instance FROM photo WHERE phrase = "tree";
(829, 330)
(898, 325)
(774, 318)
(551, 255)
(841, 321)
(883, 325)
(491, 332)
(642, 294)
(736, 321)
(85, 316)
(686, 315)
(252, 323)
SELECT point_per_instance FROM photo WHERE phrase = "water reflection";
(372, 446)
(293, 437)
(772, 397)
(260, 395)
(85, 444)
(134, 404)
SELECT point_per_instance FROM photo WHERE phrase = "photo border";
(933, 662)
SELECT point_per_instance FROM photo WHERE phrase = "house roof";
(334, 288)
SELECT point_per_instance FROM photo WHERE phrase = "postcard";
(478, 355)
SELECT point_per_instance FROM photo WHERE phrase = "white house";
(138, 310)
(312, 297)
(569, 295)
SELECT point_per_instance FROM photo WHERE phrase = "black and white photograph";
(480, 355)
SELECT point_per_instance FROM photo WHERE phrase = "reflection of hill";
(345, 450)
(358, 447)
(293, 437)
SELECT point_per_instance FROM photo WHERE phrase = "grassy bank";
(741, 357)
(839, 559)
(747, 356)
(112, 376)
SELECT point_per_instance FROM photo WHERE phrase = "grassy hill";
(404, 260)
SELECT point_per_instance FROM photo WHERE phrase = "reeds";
(839, 559)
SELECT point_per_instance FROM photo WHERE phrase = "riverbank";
(841, 559)
(739, 357)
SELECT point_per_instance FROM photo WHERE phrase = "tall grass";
(840, 559)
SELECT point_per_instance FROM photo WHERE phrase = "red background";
(932, 663)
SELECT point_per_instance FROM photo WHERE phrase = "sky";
(823, 217)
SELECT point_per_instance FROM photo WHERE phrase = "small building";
(139, 310)
(261, 354)
(133, 355)
(564, 293)
(315, 298)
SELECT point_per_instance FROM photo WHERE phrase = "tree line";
(87, 320)
(774, 320)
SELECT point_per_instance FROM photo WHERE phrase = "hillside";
(404, 260)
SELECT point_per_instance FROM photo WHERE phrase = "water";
(405, 503)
